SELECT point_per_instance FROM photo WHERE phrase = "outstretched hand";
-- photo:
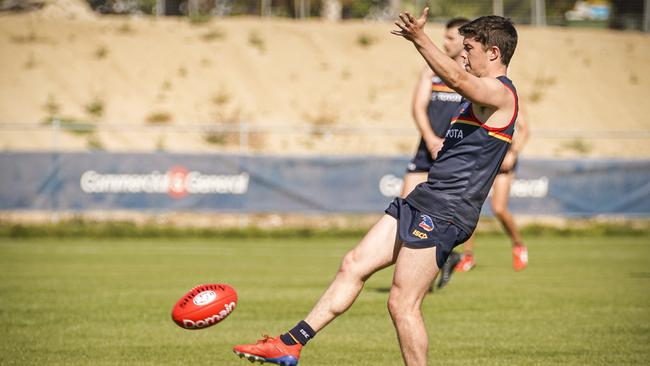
(410, 27)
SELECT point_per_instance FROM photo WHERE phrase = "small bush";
(27, 38)
(365, 40)
(95, 108)
(166, 85)
(159, 117)
(101, 52)
(221, 98)
(94, 143)
(51, 106)
(255, 40)
(540, 86)
(213, 35)
(324, 118)
(125, 28)
(224, 116)
(578, 146)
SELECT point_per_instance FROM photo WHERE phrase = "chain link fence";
(617, 14)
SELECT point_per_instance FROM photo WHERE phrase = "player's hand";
(508, 161)
(434, 147)
(409, 27)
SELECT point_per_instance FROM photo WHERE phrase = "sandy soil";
(585, 91)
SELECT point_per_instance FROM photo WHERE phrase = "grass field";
(583, 301)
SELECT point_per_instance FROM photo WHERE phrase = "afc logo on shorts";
(425, 224)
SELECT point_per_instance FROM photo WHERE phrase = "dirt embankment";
(585, 91)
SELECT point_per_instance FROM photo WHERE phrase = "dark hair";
(457, 22)
(493, 30)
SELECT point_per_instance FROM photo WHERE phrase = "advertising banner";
(247, 184)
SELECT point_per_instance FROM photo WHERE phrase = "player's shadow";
(381, 290)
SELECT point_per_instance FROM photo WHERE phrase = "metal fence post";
(243, 150)
(265, 8)
(56, 127)
(538, 13)
(646, 16)
(497, 7)
(160, 7)
(244, 132)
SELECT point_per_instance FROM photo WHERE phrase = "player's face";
(453, 42)
(475, 57)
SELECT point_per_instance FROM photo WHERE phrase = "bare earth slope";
(585, 91)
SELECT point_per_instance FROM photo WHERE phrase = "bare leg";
(500, 197)
(414, 271)
(377, 250)
(411, 180)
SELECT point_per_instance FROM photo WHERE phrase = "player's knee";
(400, 306)
(350, 266)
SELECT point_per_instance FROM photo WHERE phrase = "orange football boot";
(519, 257)
(271, 350)
(465, 264)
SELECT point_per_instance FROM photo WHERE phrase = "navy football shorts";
(422, 161)
(419, 230)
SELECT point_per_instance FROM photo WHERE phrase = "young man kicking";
(418, 233)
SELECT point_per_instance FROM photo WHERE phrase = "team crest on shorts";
(426, 223)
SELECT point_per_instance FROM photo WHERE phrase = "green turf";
(583, 301)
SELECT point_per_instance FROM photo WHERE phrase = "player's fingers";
(404, 19)
(403, 28)
(397, 33)
(410, 17)
(425, 12)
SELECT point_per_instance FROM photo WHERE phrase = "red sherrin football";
(204, 306)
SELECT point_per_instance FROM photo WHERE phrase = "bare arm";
(522, 131)
(421, 99)
(520, 139)
(483, 91)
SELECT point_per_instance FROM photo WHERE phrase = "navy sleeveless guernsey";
(460, 179)
(442, 106)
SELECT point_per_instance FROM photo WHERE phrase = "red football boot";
(271, 350)
(519, 257)
(465, 264)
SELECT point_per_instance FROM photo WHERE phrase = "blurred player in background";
(418, 233)
(499, 202)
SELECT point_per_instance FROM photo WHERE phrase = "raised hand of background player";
(410, 27)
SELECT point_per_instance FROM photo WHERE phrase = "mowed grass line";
(583, 301)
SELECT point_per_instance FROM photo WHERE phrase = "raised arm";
(486, 91)
(421, 99)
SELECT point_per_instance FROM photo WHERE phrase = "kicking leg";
(377, 250)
